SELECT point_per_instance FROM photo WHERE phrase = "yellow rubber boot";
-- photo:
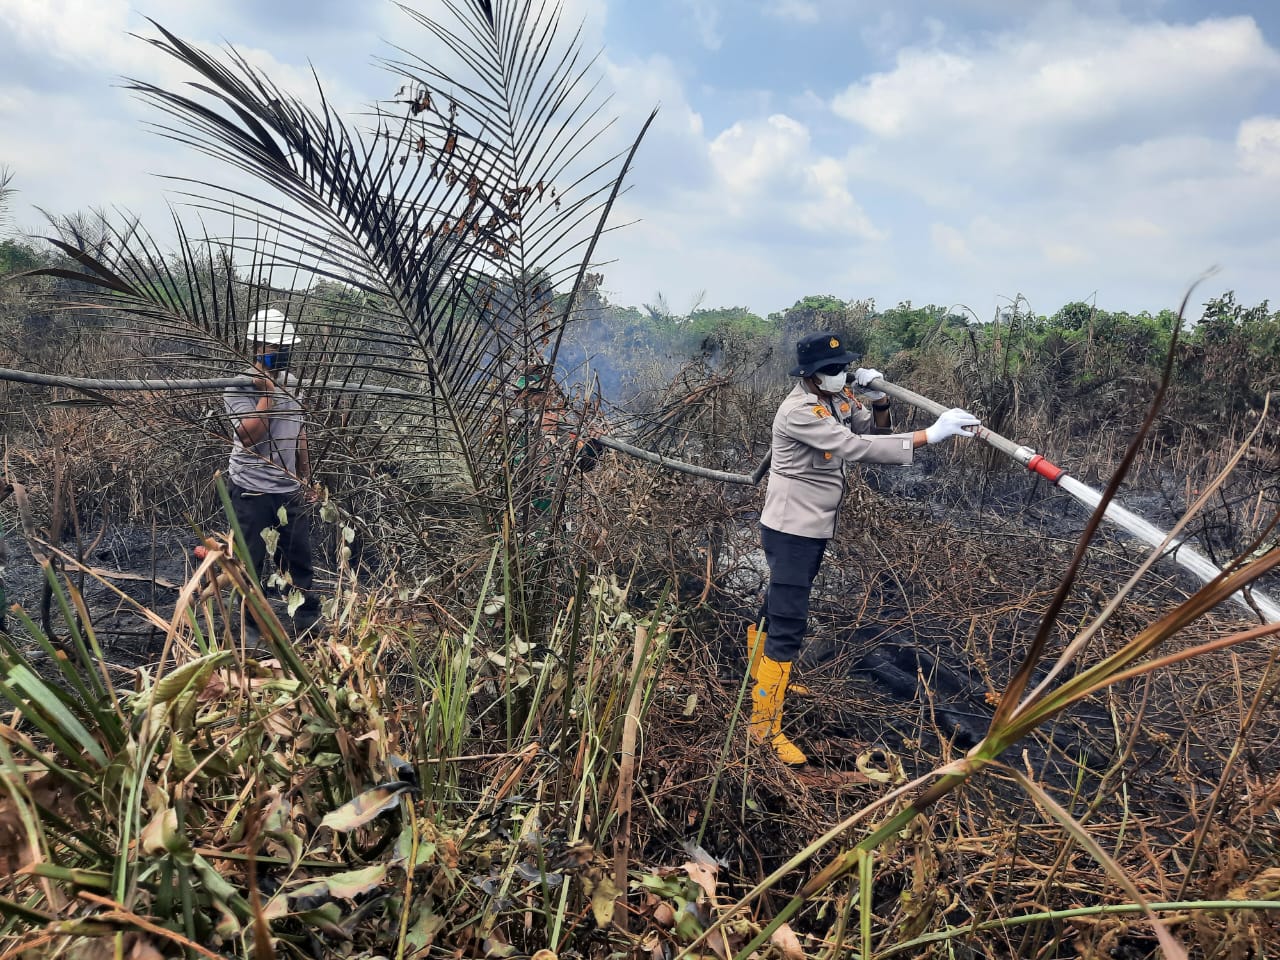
(755, 648)
(767, 695)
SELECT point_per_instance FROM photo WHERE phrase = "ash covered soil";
(930, 597)
(927, 602)
(131, 565)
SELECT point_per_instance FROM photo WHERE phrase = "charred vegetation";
(519, 731)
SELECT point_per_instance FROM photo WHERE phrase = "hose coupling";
(1051, 472)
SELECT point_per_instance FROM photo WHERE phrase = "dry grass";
(1172, 774)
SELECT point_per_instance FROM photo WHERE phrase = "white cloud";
(890, 104)
(77, 141)
(1072, 154)
(1065, 254)
(769, 168)
(706, 21)
(108, 166)
(673, 155)
(1108, 77)
(796, 11)
(87, 32)
(1065, 156)
(1258, 145)
(738, 212)
(950, 241)
(1134, 228)
(1060, 153)
(748, 155)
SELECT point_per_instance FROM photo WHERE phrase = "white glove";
(863, 375)
(873, 395)
(952, 423)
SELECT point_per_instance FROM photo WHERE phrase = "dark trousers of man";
(256, 512)
(793, 565)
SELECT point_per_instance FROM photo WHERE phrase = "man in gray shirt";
(269, 470)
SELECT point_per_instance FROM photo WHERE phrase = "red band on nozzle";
(1049, 471)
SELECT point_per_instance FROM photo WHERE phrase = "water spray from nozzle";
(1178, 550)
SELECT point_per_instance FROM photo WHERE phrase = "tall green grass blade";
(56, 656)
(92, 879)
(866, 880)
(44, 707)
(72, 622)
(18, 911)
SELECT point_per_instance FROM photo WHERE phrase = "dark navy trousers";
(793, 565)
(256, 512)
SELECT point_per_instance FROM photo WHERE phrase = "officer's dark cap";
(820, 350)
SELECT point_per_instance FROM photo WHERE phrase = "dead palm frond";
(434, 245)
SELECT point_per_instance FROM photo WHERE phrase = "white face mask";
(832, 384)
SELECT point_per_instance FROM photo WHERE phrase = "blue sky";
(945, 151)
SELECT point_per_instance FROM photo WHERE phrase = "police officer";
(819, 427)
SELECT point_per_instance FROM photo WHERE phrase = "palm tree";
(445, 214)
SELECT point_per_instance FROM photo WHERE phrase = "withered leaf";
(360, 810)
(603, 893)
(785, 939)
(326, 917)
(704, 877)
(346, 886)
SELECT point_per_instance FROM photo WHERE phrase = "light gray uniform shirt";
(270, 465)
(813, 438)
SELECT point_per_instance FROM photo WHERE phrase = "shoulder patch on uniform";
(844, 408)
(821, 411)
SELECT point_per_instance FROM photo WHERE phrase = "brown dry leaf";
(579, 853)
(215, 688)
(425, 929)
(1264, 886)
(715, 940)
(47, 792)
(223, 683)
(143, 950)
(277, 908)
(704, 876)
(830, 779)
(161, 834)
(134, 947)
(277, 725)
(785, 939)
(447, 851)
(15, 852)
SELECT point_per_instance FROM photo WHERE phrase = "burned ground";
(923, 611)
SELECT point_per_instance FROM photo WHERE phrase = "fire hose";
(1257, 602)
(1197, 563)
(1187, 557)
